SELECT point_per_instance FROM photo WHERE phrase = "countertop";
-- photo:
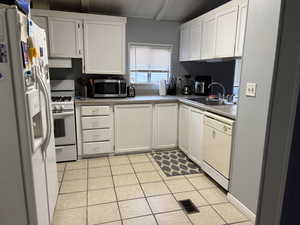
(228, 110)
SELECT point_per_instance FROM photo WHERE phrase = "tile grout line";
(140, 185)
(114, 187)
(157, 169)
(209, 204)
(177, 201)
(87, 192)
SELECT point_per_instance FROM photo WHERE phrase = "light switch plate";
(251, 89)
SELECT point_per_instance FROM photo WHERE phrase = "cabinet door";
(104, 47)
(133, 127)
(65, 37)
(196, 134)
(226, 29)
(241, 27)
(195, 40)
(208, 44)
(184, 42)
(184, 128)
(165, 125)
(42, 21)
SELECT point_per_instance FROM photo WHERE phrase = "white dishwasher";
(217, 147)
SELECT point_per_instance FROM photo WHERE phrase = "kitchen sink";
(207, 101)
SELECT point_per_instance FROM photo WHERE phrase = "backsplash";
(222, 72)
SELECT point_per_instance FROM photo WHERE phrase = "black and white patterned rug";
(175, 163)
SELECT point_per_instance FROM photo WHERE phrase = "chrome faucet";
(220, 85)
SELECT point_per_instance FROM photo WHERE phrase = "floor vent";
(188, 206)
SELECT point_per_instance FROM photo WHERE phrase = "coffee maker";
(201, 85)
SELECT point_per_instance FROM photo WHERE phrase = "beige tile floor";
(132, 190)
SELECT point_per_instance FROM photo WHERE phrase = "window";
(149, 63)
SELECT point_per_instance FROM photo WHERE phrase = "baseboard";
(241, 207)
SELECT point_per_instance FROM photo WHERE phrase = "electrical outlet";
(251, 89)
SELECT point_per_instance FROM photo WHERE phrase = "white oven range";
(62, 95)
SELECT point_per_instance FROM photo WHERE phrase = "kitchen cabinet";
(208, 44)
(98, 40)
(184, 51)
(65, 37)
(133, 127)
(42, 21)
(184, 112)
(191, 132)
(165, 120)
(196, 135)
(94, 130)
(226, 25)
(217, 34)
(241, 27)
(195, 39)
(104, 47)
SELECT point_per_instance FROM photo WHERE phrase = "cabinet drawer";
(95, 110)
(97, 147)
(97, 135)
(66, 153)
(96, 122)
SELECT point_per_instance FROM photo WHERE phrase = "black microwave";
(107, 88)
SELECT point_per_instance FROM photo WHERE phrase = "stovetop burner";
(61, 98)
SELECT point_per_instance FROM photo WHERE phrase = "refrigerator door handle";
(48, 120)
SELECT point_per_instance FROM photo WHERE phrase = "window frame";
(130, 44)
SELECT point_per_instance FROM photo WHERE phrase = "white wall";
(257, 66)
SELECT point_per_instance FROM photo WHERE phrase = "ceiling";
(169, 10)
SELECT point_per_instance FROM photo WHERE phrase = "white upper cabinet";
(241, 27)
(98, 40)
(208, 44)
(184, 51)
(104, 47)
(226, 24)
(42, 21)
(216, 34)
(65, 37)
(195, 39)
(165, 119)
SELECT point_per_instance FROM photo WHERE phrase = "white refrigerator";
(28, 174)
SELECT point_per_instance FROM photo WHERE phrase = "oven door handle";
(119, 87)
(63, 114)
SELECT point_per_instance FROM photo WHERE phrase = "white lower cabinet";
(165, 120)
(184, 112)
(97, 135)
(139, 127)
(92, 148)
(191, 132)
(133, 127)
(196, 124)
(94, 130)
